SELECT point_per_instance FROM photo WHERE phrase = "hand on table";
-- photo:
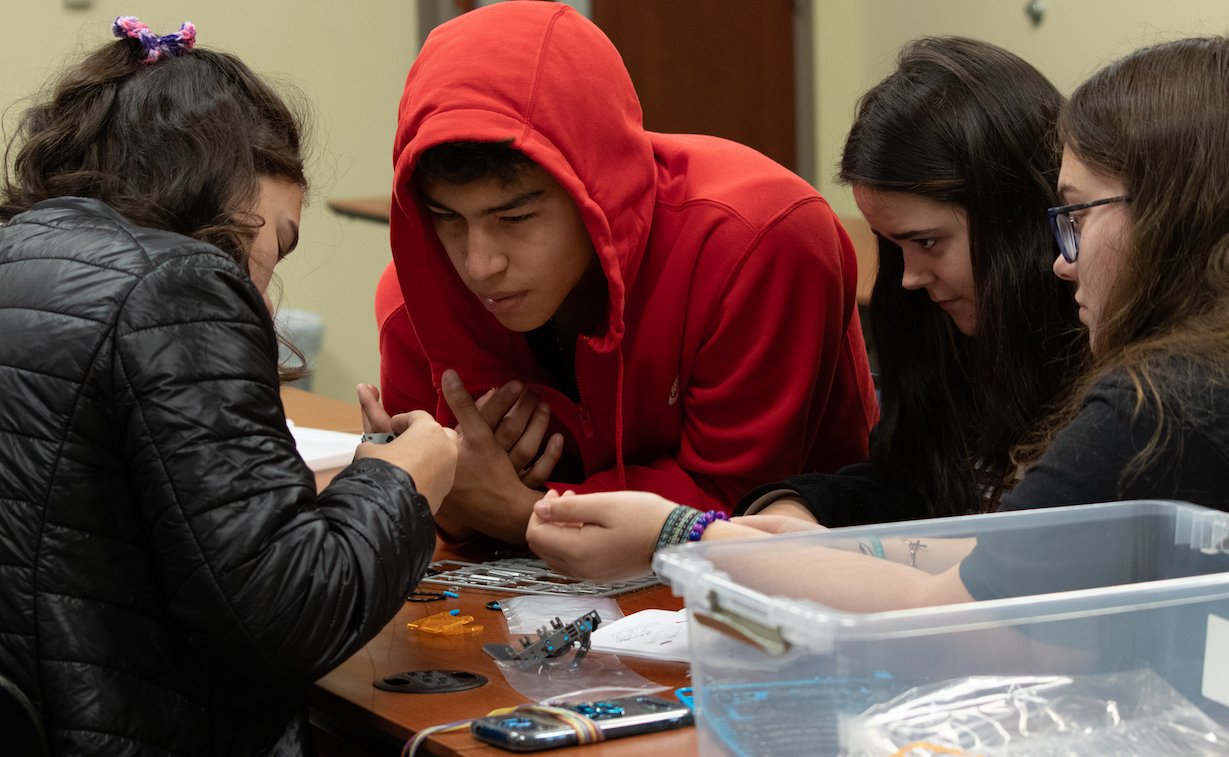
(606, 536)
(499, 437)
(423, 448)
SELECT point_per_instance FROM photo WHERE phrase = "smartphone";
(533, 732)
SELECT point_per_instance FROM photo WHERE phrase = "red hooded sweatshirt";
(730, 354)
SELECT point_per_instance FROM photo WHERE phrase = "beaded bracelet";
(671, 531)
(703, 522)
(678, 526)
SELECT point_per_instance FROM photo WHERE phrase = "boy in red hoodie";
(674, 312)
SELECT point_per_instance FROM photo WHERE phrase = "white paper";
(659, 634)
(1216, 660)
(321, 449)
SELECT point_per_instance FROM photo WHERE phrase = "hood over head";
(544, 77)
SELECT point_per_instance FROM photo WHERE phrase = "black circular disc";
(431, 681)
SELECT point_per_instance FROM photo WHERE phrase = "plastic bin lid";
(707, 575)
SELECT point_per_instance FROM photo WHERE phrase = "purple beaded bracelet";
(697, 529)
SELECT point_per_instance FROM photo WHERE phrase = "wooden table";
(369, 208)
(865, 244)
(352, 717)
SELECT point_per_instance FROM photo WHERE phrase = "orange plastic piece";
(445, 624)
(931, 748)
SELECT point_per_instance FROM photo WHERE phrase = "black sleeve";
(258, 571)
(856, 494)
(1085, 465)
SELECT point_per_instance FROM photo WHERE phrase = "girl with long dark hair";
(951, 159)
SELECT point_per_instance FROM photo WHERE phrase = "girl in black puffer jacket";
(169, 578)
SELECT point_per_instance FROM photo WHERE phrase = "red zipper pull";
(585, 423)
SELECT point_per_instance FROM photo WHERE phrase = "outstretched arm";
(603, 537)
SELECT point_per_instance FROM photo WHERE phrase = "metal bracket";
(771, 641)
(553, 643)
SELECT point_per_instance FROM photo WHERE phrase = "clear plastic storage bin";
(1141, 655)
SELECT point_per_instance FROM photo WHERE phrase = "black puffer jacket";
(169, 579)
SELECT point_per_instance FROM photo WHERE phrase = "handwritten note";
(659, 634)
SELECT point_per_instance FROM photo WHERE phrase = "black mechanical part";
(431, 682)
(551, 643)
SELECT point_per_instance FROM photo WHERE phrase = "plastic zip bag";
(563, 679)
(1115, 715)
(526, 614)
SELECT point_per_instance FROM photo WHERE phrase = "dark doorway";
(721, 67)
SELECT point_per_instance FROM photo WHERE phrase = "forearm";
(294, 583)
(668, 478)
(505, 520)
(930, 555)
(387, 558)
(791, 507)
(858, 583)
(842, 579)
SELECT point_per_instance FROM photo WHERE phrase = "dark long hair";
(179, 144)
(970, 124)
(1158, 121)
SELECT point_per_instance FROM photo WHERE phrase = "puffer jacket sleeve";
(258, 570)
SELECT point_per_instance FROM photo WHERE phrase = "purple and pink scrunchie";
(155, 46)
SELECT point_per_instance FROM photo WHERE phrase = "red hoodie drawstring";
(619, 424)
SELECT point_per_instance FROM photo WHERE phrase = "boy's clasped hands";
(499, 470)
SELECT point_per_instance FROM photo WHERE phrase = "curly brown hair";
(179, 145)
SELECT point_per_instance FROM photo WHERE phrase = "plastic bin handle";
(771, 641)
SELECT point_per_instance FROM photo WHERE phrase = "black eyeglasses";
(1064, 229)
